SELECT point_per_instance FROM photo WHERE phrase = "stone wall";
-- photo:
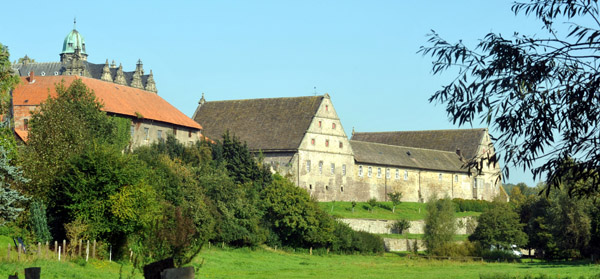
(401, 245)
(383, 226)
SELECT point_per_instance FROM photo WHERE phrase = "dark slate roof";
(467, 140)
(406, 157)
(264, 124)
(51, 68)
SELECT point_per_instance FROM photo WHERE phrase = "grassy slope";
(406, 210)
(245, 263)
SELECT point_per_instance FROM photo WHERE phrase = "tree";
(395, 198)
(539, 94)
(11, 201)
(499, 226)
(8, 80)
(63, 127)
(440, 225)
(294, 216)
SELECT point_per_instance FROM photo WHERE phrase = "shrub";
(461, 205)
(349, 241)
(372, 203)
(399, 226)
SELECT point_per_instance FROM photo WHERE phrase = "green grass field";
(406, 210)
(266, 263)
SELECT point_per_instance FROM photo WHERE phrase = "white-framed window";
(159, 135)
(320, 167)
(440, 177)
(332, 168)
(307, 165)
(387, 173)
(405, 175)
(360, 171)
(397, 174)
(343, 170)
(146, 134)
(131, 130)
(378, 172)
(456, 178)
(369, 171)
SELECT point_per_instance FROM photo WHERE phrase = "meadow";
(269, 263)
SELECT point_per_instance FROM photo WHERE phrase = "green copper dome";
(72, 41)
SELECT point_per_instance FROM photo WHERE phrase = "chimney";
(459, 153)
(31, 80)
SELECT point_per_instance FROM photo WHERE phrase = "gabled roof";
(264, 124)
(467, 140)
(117, 99)
(406, 157)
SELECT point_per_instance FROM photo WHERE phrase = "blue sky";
(363, 53)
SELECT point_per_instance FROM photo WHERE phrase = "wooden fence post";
(94, 250)
(47, 248)
(80, 248)
(39, 249)
(310, 251)
(59, 253)
(64, 248)
(56, 247)
(19, 252)
(87, 251)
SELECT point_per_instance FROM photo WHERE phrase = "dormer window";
(70, 44)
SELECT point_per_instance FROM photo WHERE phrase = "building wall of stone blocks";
(145, 132)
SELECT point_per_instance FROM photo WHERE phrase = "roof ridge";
(437, 130)
(272, 98)
(408, 147)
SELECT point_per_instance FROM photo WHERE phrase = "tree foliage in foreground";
(440, 225)
(62, 128)
(500, 227)
(539, 94)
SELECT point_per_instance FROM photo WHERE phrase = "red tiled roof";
(23, 134)
(117, 99)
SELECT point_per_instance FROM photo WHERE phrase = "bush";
(348, 241)
(461, 205)
(399, 226)
(372, 203)
(499, 255)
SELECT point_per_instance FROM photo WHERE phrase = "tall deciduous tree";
(440, 225)
(8, 80)
(538, 93)
(64, 127)
(499, 226)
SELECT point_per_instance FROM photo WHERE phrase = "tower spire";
(74, 23)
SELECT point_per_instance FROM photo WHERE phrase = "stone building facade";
(152, 118)
(303, 138)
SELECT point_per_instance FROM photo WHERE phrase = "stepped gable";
(116, 99)
(273, 124)
(406, 157)
(467, 140)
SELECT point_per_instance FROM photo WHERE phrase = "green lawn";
(266, 263)
(406, 210)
